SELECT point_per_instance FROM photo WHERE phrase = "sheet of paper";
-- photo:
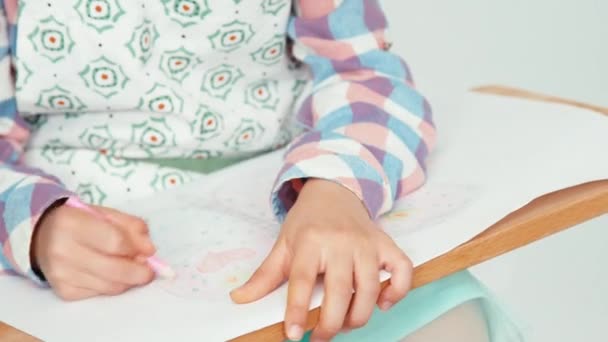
(504, 153)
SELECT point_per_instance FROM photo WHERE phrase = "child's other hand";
(82, 256)
(328, 231)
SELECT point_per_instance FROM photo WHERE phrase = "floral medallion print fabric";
(143, 79)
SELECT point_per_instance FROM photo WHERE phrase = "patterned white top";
(151, 79)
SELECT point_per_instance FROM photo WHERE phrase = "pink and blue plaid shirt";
(367, 128)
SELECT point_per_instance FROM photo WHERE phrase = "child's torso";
(117, 80)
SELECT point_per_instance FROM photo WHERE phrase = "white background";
(557, 288)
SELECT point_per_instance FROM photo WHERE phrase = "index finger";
(302, 280)
(133, 223)
(134, 227)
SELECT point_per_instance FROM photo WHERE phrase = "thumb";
(266, 279)
(135, 228)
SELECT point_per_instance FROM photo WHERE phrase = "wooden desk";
(542, 217)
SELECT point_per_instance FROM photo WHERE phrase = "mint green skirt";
(421, 306)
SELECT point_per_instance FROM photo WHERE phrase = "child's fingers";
(71, 293)
(337, 298)
(367, 289)
(134, 223)
(302, 280)
(401, 270)
(105, 238)
(134, 227)
(95, 284)
(265, 279)
(111, 268)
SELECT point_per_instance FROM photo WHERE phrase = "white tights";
(465, 323)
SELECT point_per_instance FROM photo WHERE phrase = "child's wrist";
(320, 186)
(33, 257)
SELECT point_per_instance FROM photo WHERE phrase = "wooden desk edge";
(10, 334)
(530, 95)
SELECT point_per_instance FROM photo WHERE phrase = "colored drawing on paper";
(397, 214)
(215, 262)
(212, 275)
(430, 205)
(211, 257)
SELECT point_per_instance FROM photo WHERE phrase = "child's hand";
(328, 231)
(82, 256)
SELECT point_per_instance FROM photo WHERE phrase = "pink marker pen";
(161, 268)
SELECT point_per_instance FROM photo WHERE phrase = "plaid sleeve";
(25, 193)
(368, 128)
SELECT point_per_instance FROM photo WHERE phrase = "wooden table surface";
(544, 216)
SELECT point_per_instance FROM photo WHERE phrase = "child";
(117, 99)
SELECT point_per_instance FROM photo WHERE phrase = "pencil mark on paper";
(430, 205)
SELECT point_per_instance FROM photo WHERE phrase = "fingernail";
(150, 246)
(238, 289)
(386, 305)
(295, 332)
(236, 295)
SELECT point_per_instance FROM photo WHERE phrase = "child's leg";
(463, 323)
(453, 309)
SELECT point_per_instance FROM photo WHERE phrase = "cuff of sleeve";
(26, 204)
(350, 171)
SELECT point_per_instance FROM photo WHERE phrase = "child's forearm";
(370, 130)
